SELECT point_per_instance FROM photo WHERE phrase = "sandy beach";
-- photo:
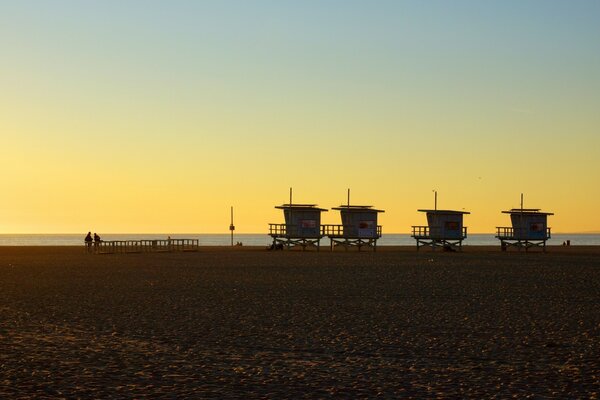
(248, 323)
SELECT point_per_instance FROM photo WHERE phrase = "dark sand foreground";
(247, 323)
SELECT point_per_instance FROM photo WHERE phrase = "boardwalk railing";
(145, 246)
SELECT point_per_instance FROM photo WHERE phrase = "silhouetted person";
(449, 248)
(88, 242)
(97, 241)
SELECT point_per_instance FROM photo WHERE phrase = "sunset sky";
(157, 116)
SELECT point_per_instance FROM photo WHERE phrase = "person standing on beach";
(97, 241)
(88, 242)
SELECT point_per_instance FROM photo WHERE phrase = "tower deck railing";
(349, 231)
(293, 231)
(511, 233)
(426, 232)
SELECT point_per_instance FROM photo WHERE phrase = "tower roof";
(444, 211)
(352, 208)
(527, 211)
(299, 207)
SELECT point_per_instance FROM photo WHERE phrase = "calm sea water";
(265, 240)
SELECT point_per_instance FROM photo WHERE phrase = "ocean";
(259, 239)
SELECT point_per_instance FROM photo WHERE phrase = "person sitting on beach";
(88, 241)
(449, 248)
(276, 246)
(97, 241)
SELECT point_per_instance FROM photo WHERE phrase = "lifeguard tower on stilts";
(444, 229)
(529, 229)
(302, 226)
(358, 229)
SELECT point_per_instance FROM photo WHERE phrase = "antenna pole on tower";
(521, 202)
(287, 230)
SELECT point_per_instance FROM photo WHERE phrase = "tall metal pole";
(231, 226)
(435, 200)
(348, 197)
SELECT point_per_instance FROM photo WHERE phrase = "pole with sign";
(231, 226)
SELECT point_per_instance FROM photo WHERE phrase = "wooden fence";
(144, 246)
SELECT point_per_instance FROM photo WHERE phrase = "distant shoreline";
(263, 239)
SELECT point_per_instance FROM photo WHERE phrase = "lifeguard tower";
(444, 228)
(529, 229)
(302, 226)
(358, 229)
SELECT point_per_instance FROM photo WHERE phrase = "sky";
(158, 116)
